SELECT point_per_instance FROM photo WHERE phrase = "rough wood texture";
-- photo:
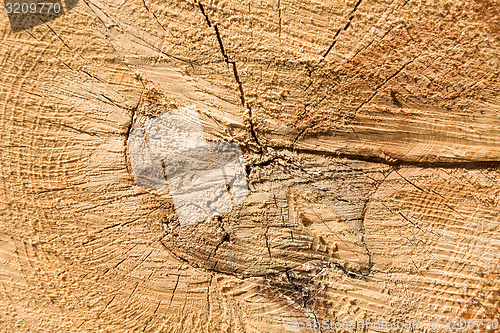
(372, 136)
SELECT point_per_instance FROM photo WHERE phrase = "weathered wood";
(371, 131)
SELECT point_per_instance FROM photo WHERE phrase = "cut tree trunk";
(371, 133)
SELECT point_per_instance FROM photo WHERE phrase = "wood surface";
(371, 133)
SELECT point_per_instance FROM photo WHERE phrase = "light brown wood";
(371, 131)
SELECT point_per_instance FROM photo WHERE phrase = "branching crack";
(129, 128)
(225, 238)
(236, 76)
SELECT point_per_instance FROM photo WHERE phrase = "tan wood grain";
(372, 132)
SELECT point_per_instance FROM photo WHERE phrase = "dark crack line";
(269, 276)
(208, 296)
(279, 18)
(222, 241)
(267, 244)
(132, 293)
(203, 12)
(106, 307)
(381, 85)
(154, 15)
(409, 182)
(225, 238)
(330, 47)
(60, 38)
(93, 237)
(348, 23)
(430, 191)
(418, 269)
(146, 43)
(411, 222)
(406, 219)
(352, 14)
(235, 74)
(370, 43)
(175, 287)
(389, 160)
(363, 220)
(351, 17)
(316, 320)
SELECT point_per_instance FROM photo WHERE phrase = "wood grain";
(371, 132)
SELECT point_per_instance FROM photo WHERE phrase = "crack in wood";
(392, 161)
(351, 17)
(236, 77)
(382, 85)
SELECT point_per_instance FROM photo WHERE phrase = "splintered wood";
(370, 132)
